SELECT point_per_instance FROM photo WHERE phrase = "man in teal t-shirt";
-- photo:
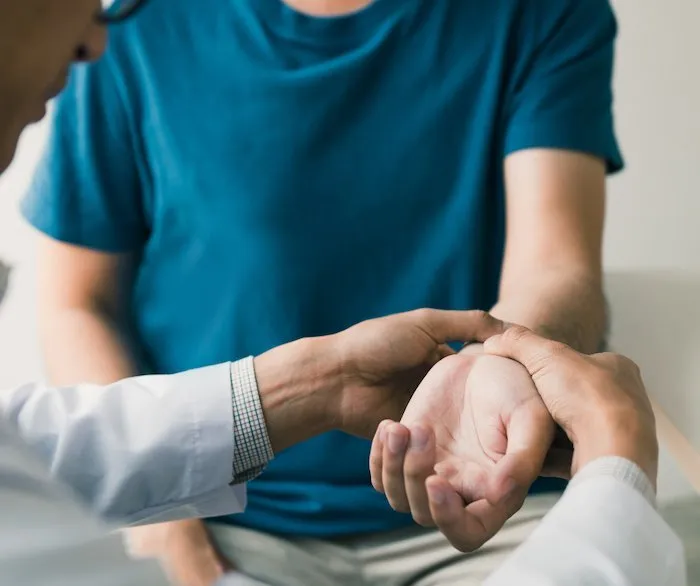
(235, 174)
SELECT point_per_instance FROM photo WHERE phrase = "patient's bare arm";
(82, 295)
(551, 280)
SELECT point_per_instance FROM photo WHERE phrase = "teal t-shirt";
(279, 176)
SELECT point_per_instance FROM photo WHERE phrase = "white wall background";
(653, 235)
(19, 356)
(652, 238)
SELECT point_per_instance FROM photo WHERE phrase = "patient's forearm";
(84, 346)
(567, 307)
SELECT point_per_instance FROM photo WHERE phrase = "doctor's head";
(39, 41)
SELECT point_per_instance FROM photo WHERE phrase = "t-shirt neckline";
(355, 26)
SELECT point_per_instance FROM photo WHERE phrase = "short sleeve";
(562, 95)
(86, 190)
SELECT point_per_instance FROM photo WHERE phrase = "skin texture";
(451, 475)
(477, 422)
(353, 380)
(599, 401)
(551, 280)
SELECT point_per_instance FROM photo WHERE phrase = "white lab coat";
(146, 449)
(602, 532)
(157, 448)
(142, 450)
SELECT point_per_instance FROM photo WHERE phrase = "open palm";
(478, 423)
(482, 409)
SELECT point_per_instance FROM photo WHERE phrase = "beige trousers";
(410, 557)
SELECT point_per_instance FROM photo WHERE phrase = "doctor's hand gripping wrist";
(352, 380)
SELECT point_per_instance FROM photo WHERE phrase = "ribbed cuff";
(621, 469)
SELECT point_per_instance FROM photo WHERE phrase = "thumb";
(532, 351)
(529, 435)
(459, 326)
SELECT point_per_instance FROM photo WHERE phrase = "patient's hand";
(183, 548)
(478, 423)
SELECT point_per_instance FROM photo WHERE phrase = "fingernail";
(437, 495)
(419, 438)
(396, 442)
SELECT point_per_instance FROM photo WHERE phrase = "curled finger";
(375, 456)
(419, 465)
(396, 437)
(467, 526)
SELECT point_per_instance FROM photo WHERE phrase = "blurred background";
(652, 241)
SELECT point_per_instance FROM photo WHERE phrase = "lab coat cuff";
(213, 419)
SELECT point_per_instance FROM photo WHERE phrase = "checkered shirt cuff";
(252, 449)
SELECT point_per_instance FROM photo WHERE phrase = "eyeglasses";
(114, 11)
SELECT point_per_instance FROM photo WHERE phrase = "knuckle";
(415, 472)
(608, 359)
(551, 355)
(422, 314)
(619, 364)
(540, 363)
(515, 334)
(394, 468)
(628, 365)
(479, 315)
(556, 349)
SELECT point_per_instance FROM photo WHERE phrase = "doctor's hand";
(472, 441)
(598, 400)
(352, 380)
(384, 360)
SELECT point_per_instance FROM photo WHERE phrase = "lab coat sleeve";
(143, 450)
(603, 531)
(46, 537)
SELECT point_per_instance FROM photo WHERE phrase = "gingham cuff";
(621, 469)
(252, 449)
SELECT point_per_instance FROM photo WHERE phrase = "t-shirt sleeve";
(86, 190)
(562, 96)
